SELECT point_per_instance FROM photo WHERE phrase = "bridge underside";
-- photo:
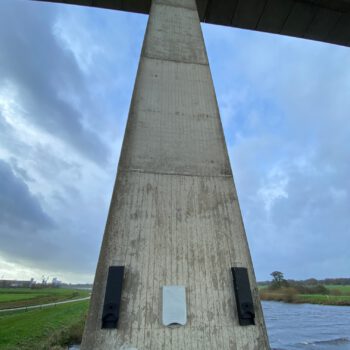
(322, 20)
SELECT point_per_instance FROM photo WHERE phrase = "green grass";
(345, 290)
(45, 328)
(324, 299)
(20, 297)
(338, 295)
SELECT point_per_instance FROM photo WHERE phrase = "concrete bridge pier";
(174, 218)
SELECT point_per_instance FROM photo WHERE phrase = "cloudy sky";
(66, 78)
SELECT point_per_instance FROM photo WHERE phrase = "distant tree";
(278, 280)
(311, 281)
(277, 276)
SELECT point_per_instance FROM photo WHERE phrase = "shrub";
(336, 292)
(314, 289)
(286, 294)
(290, 294)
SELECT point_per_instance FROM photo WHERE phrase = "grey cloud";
(29, 236)
(46, 75)
(19, 207)
(58, 241)
(42, 157)
(8, 138)
(84, 106)
(23, 173)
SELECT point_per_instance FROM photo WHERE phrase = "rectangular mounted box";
(113, 294)
(174, 306)
(244, 300)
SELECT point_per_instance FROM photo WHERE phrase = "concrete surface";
(323, 20)
(174, 218)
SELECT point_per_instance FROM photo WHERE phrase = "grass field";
(324, 299)
(343, 289)
(49, 328)
(20, 297)
(338, 295)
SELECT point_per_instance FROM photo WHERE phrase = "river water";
(305, 326)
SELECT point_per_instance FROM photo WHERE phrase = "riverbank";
(334, 295)
(52, 328)
(22, 297)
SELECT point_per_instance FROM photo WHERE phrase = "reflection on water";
(306, 326)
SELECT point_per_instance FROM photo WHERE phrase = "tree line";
(308, 286)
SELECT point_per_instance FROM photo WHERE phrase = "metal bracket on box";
(111, 306)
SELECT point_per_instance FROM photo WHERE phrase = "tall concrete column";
(174, 218)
